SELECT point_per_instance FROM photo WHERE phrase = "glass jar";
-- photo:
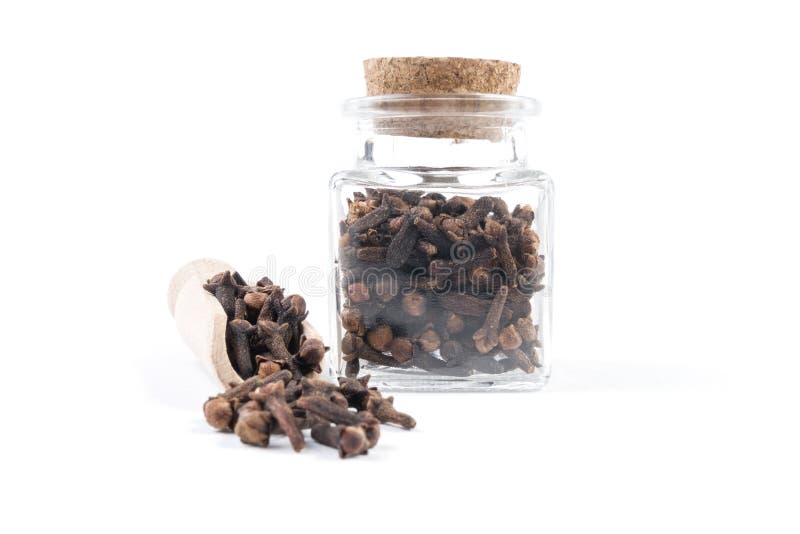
(442, 246)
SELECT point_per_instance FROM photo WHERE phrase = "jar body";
(442, 255)
(434, 305)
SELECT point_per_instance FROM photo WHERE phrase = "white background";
(136, 136)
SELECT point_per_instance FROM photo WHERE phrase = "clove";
(311, 353)
(223, 286)
(253, 425)
(380, 337)
(238, 336)
(355, 391)
(383, 409)
(349, 440)
(355, 347)
(486, 337)
(218, 412)
(272, 398)
(402, 243)
(521, 360)
(509, 338)
(334, 413)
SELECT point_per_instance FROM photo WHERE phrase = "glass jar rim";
(442, 105)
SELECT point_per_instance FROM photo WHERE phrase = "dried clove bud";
(486, 337)
(521, 360)
(527, 330)
(429, 340)
(524, 212)
(238, 279)
(432, 234)
(456, 206)
(293, 307)
(395, 224)
(506, 258)
(218, 412)
(313, 387)
(312, 351)
(371, 254)
(253, 425)
(272, 396)
(352, 320)
(454, 229)
(433, 201)
(402, 349)
(264, 282)
(333, 413)
(355, 391)
(509, 338)
(239, 309)
(224, 288)
(371, 219)
(349, 440)
(380, 337)
(274, 335)
(355, 347)
(255, 301)
(268, 368)
(241, 392)
(238, 337)
(414, 304)
(454, 323)
(383, 409)
(402, 243)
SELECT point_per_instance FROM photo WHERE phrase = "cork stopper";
(440, 75)
(447, 97)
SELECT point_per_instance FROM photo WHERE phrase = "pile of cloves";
(439, 284)
(265, 329)
(282, 393)
(287, 403)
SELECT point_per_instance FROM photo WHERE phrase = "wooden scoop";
(201, 321)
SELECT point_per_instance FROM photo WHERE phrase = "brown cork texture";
(439, 75)
(442, 76)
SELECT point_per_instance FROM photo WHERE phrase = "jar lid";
(441, 97)
(440, 75)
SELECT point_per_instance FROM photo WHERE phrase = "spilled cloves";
(346, 416)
